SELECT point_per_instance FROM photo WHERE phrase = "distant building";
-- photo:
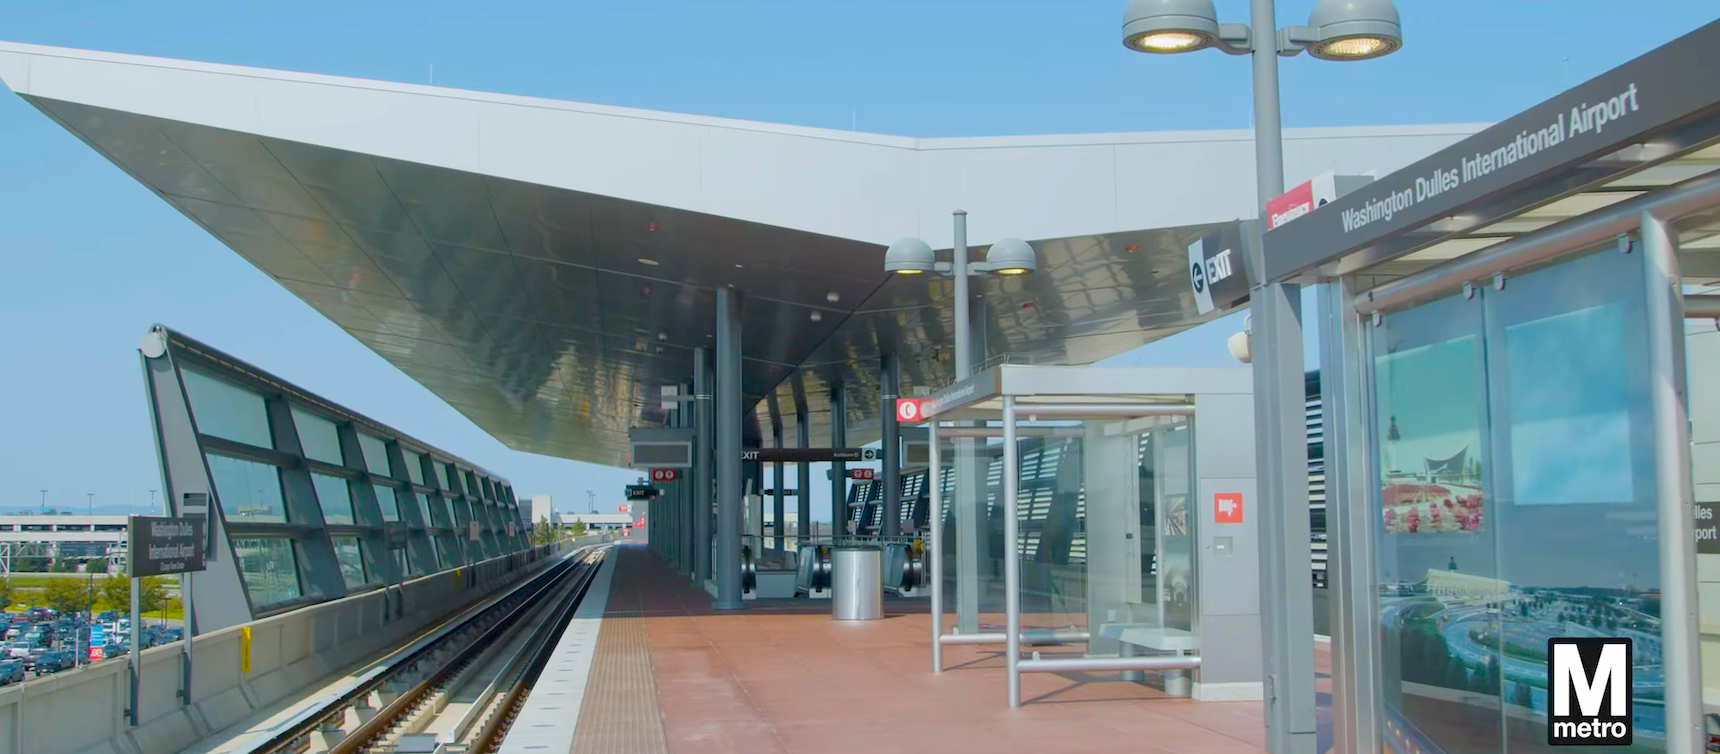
(1463, 586)
(52, 536)
(596, 521)
(543, 507)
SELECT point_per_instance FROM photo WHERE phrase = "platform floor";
(672, 675)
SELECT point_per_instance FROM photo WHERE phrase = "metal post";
(1350, 531)
(970, 522)
(1673, 490)
(890, 445)
(728, 534)
(838, 469)
(935, 545)
(702, 486)
(1011, 558)
(803, 472)
(132, 664)
(1286, 589)
(686, 487)
(780, 479)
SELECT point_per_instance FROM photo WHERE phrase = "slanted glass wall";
(1516, 501)
(318, 504)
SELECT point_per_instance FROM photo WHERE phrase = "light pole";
(591, 500)
(912, 256)
(152, 501)
(91, 510)
(1336, 30)
(44, 501)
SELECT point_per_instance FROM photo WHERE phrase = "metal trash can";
(857, 589)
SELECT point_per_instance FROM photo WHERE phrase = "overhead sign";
(911, 409)
(1316, 192)
(665, 475)
(157, 546)
(809, 455)
(1217, 273)
(1227, 508)
(863, 475)
(785, 493)
(641, 492)
(623, 508)
(1494, 173)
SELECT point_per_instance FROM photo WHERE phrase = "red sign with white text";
(1300, 200)
(623, 508)
(912, 409)
(665, 475)
(1227, 508)
(863, 475)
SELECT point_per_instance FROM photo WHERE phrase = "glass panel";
(438, 506)
(375, 454)
(1438, 569)
(248, 491)
(423, 507)
(349, 551)
(318, 437)
(441, 475)
(1574, 478)
(335, 497)
(414, 467)
(228, 411)
(385, 500)
(271, 569)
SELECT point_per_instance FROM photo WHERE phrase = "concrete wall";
(83, 711)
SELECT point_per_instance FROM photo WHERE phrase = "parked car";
(115, 650)
(39, 614)
(18, 648)
(107, 616)
(54, 661)
(11, 671)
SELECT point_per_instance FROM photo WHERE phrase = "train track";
(458, 694)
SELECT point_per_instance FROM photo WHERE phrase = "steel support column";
(705, 419)
(890, 447)
(803, 471)
(838, 469)
(1356, 711)
(728, 461)
(1674, 492)
(778, 510)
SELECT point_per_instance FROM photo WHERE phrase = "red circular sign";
(910, 409)
(665, 475)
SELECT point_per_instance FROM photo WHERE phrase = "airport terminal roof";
(546, 266)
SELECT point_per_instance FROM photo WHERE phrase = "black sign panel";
(641, 492)
(1707, 526)
(158, 546)
(1490, 174)
(1217, 274)
(195, 506)
(809, 455)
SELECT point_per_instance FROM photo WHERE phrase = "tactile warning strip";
(621, 714)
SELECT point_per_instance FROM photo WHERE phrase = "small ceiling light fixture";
(648, 262)
(817, 316)
(833, 297)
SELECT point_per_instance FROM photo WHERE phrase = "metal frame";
(1033, 393)
(1356, 653)
(183, 451)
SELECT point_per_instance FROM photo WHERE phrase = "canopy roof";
(547, 266)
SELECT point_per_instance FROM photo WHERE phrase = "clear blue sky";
(90, 258)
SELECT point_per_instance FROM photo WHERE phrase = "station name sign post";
(157, 546)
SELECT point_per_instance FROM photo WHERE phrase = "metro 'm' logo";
(1589, 691)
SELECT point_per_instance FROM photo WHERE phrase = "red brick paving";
(781, 676)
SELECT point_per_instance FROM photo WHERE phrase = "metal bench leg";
(1136, 676)
(1177, 681)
